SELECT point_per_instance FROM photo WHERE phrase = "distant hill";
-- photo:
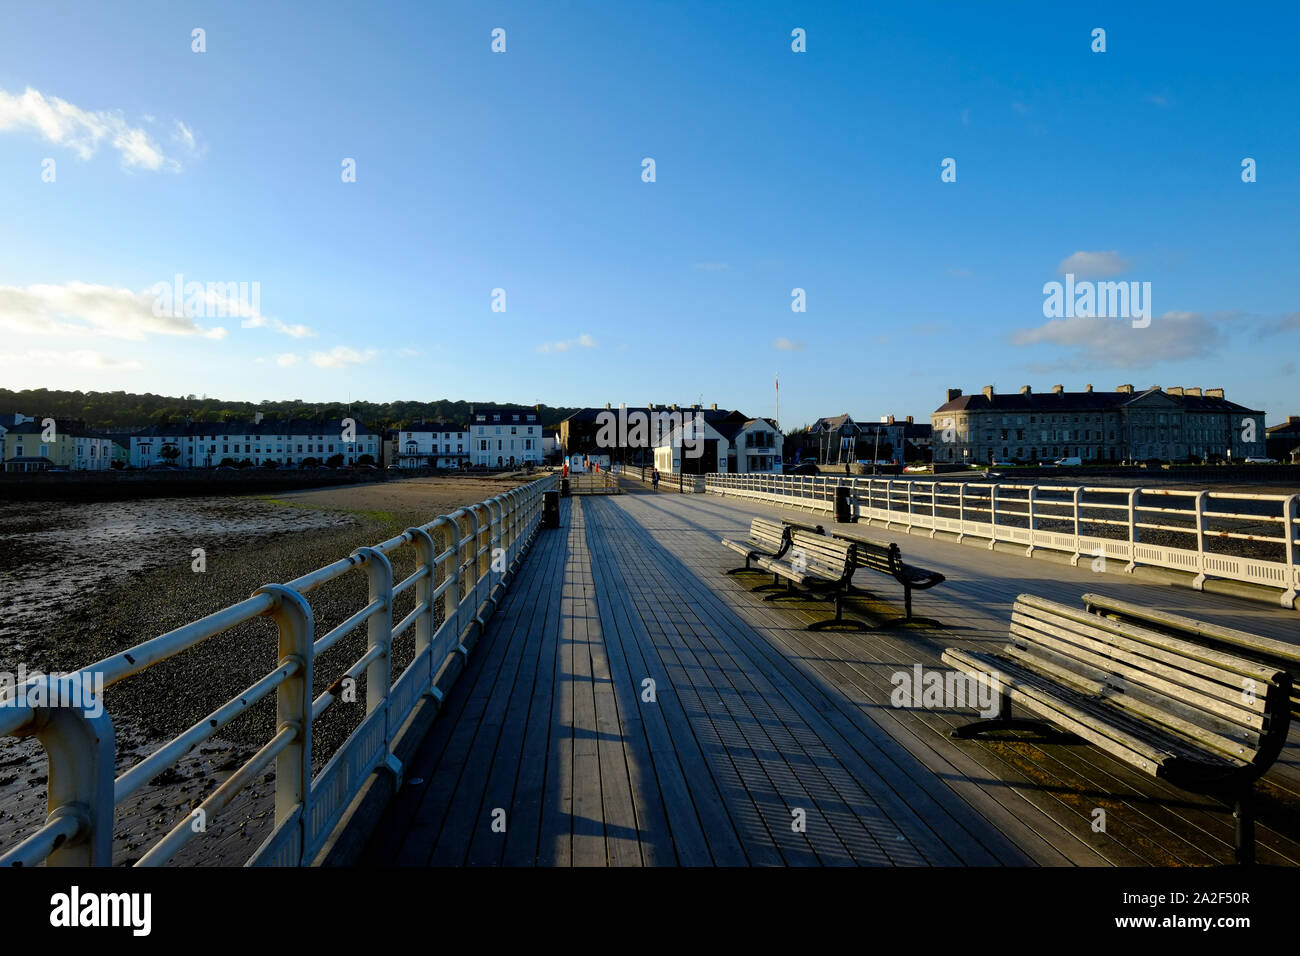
(109, 410)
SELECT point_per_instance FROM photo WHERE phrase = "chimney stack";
(715, 406)
(607, 405)
(257, 418)
(1087, 388)
(1214, 393)
(951, 394)
(1193, 391)
(988, 392)
(1174, 390)
(1125, 389)
(909, 420)
(1058, 389)
(1026, 390)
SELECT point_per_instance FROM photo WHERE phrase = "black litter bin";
(551, 509)
(843, 510)
(564, 487)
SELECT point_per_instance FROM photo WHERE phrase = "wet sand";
(81, 582)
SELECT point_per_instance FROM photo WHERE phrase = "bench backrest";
(825, 557)
(1262, 650)
(1217, 701)
(876, 555)
(766, 534)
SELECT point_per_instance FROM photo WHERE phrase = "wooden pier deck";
(548, 751)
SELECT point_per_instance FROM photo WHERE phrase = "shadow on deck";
(632, 705)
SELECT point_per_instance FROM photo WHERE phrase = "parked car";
(1261, 461)
(1069, 462)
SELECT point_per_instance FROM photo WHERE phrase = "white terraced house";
(505, 436)
(429, 445)
(290, 443)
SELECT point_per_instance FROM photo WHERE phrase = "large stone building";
(1174, 424)
(289, 443)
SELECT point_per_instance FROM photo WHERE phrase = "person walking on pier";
(654, 478)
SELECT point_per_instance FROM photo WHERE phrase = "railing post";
(1078, 546)
(1032, 500)
(427, 551)
(1132, 529)
(993, 516)
(293, 619)
(961, 512)
(1290, 515)
(379, 626)
(1198, 582)
(79, 752)
(910, 506)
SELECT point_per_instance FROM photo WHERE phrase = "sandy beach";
(81, 582)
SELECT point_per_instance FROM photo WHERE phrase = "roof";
(293, 426)
(832, 423)
(1081, 402)
(528, 415)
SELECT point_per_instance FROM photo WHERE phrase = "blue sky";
(775, 170)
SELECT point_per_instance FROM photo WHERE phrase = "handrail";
(1161, 527)
(482, 545)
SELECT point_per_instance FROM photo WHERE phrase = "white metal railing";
(464, 561)
(1238, 536)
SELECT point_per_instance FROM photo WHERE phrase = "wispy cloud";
(341, 356)
(1090, 341)
(77, 358)
(287, 359)
(1093, 265)
(266, 322)
(79, 308)
(83, 131)
(583, 341)
(786, 345)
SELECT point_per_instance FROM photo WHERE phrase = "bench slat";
(1232, 740)
(1204, 694)
(1184, 673)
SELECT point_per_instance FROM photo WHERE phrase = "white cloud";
(786, 345)
(84, 131)
(287, 359)
(341, 356)
(1115, 343)
(584, 341)
(1093, 265)
(78, 358)
(266, 322)
(79, 308)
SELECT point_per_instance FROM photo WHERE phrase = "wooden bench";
(887, 559)
(1204, 720)
(767, 539)
(1261, 650)
(822, 566)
